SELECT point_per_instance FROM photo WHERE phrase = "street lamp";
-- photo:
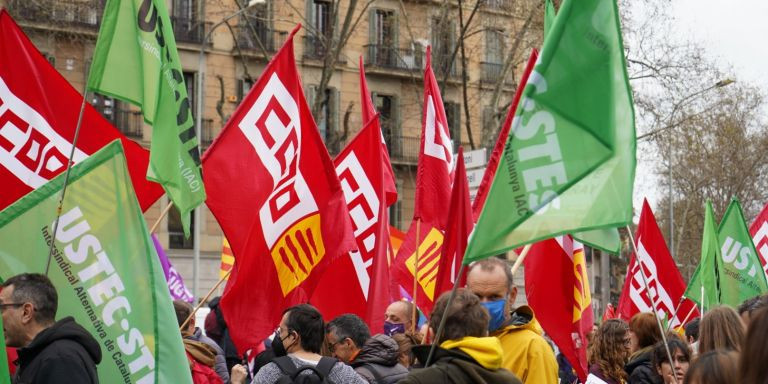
(198, 130)
(678, 105)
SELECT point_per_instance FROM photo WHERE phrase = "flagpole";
(66, 176)
(521, 258)
(440, 327)
(653, 306)
(162, 216)
(207, 296)
(415, 318)
(677, 308)
(688, 316)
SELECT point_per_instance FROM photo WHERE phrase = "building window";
(187, 25)
(328, 117)
(383, 38)
(443, 44)
(320, 18)
(396, 209)
(243, 88)
(453, 116)
(389, 119)
(176, 239)
(494, 55)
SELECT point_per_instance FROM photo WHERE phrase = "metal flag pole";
(415, 318)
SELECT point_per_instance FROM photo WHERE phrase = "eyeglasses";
(332, 346)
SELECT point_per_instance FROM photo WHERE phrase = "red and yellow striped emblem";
(227, 259)
(581, 296)
(297, 252)
(429, 259)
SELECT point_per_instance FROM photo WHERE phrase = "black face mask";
(277, 345)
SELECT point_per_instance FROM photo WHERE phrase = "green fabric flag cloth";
(549, 17)
(135, 60)
(706, 272)
(5, 375)
(607, 240)
(569, 164)
(741, 275)
(104, 267)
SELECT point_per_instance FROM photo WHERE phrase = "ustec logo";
(289, 218)
(29, 147)
(429, 258)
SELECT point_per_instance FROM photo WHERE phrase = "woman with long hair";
(672, 372)
(644, 333)
(609, 351)
(754, 354)
(720, 328)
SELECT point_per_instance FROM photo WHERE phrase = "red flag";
(460, 224)
(609, 312)
(664, 280)
(557, 288)
(361, 277)
(498, 148)
(368, 112)
(433, 192)
(286, 220)
(38, 117)
(759, 232)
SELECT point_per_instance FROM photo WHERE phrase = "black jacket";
(452, 366)
(640, 368)
(64, 352)
(377, 361)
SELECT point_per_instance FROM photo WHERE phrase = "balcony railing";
(491, 71)
(315, 47)
(130, 123)
(189, 30)
(403, 149)
(499, 5)
(271, 39)
(77, 13)
(383, 56)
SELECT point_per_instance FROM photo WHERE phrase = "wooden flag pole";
(653, 306)
(521, 258)
(205, 299)
(162, 216)
(415, 318)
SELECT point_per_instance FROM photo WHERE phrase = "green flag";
(706, 272)
(569, 163)
(104, 267)
(549, 17)
(607, 240)
(5, 375)
(135, 60)
(741, 274)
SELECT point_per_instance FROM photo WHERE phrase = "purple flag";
(175, 283)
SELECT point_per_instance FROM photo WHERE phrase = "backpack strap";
(325, 365)
(286, 365)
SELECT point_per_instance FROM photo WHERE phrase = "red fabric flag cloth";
(498, 148)
(285, 218)
(557, 288)
(12, 356)
(361, 277)
(664, 280)
(759, 232)
(433, 193)
(368, 112)
(38, 117)
(460, 224)
(609, 312)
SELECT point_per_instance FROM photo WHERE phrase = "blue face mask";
(496, 310)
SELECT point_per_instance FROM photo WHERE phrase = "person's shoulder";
(343, 373)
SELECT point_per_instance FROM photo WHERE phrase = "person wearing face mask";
(398, 317)
(300, 337)
(526, 353)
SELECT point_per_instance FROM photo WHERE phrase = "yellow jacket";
(526, 353)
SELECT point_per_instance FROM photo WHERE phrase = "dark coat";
(640, 369)
(452, 366)
(63, 352)
(377, 361)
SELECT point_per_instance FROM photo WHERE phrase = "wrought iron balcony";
(188, 30)
(315, 47)
(383, 56)
(249, 39)
(403, 149)
(72, 13)
(491, 71)
(207, 133)
(499, 5)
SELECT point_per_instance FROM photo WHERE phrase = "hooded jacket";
(470, 360)
(640, 368)
(526, 353)
(63, 351)
(377, 361)
(220, 365)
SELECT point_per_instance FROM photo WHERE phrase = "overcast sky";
(734, 34)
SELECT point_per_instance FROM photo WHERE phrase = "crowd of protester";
(484, 339)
